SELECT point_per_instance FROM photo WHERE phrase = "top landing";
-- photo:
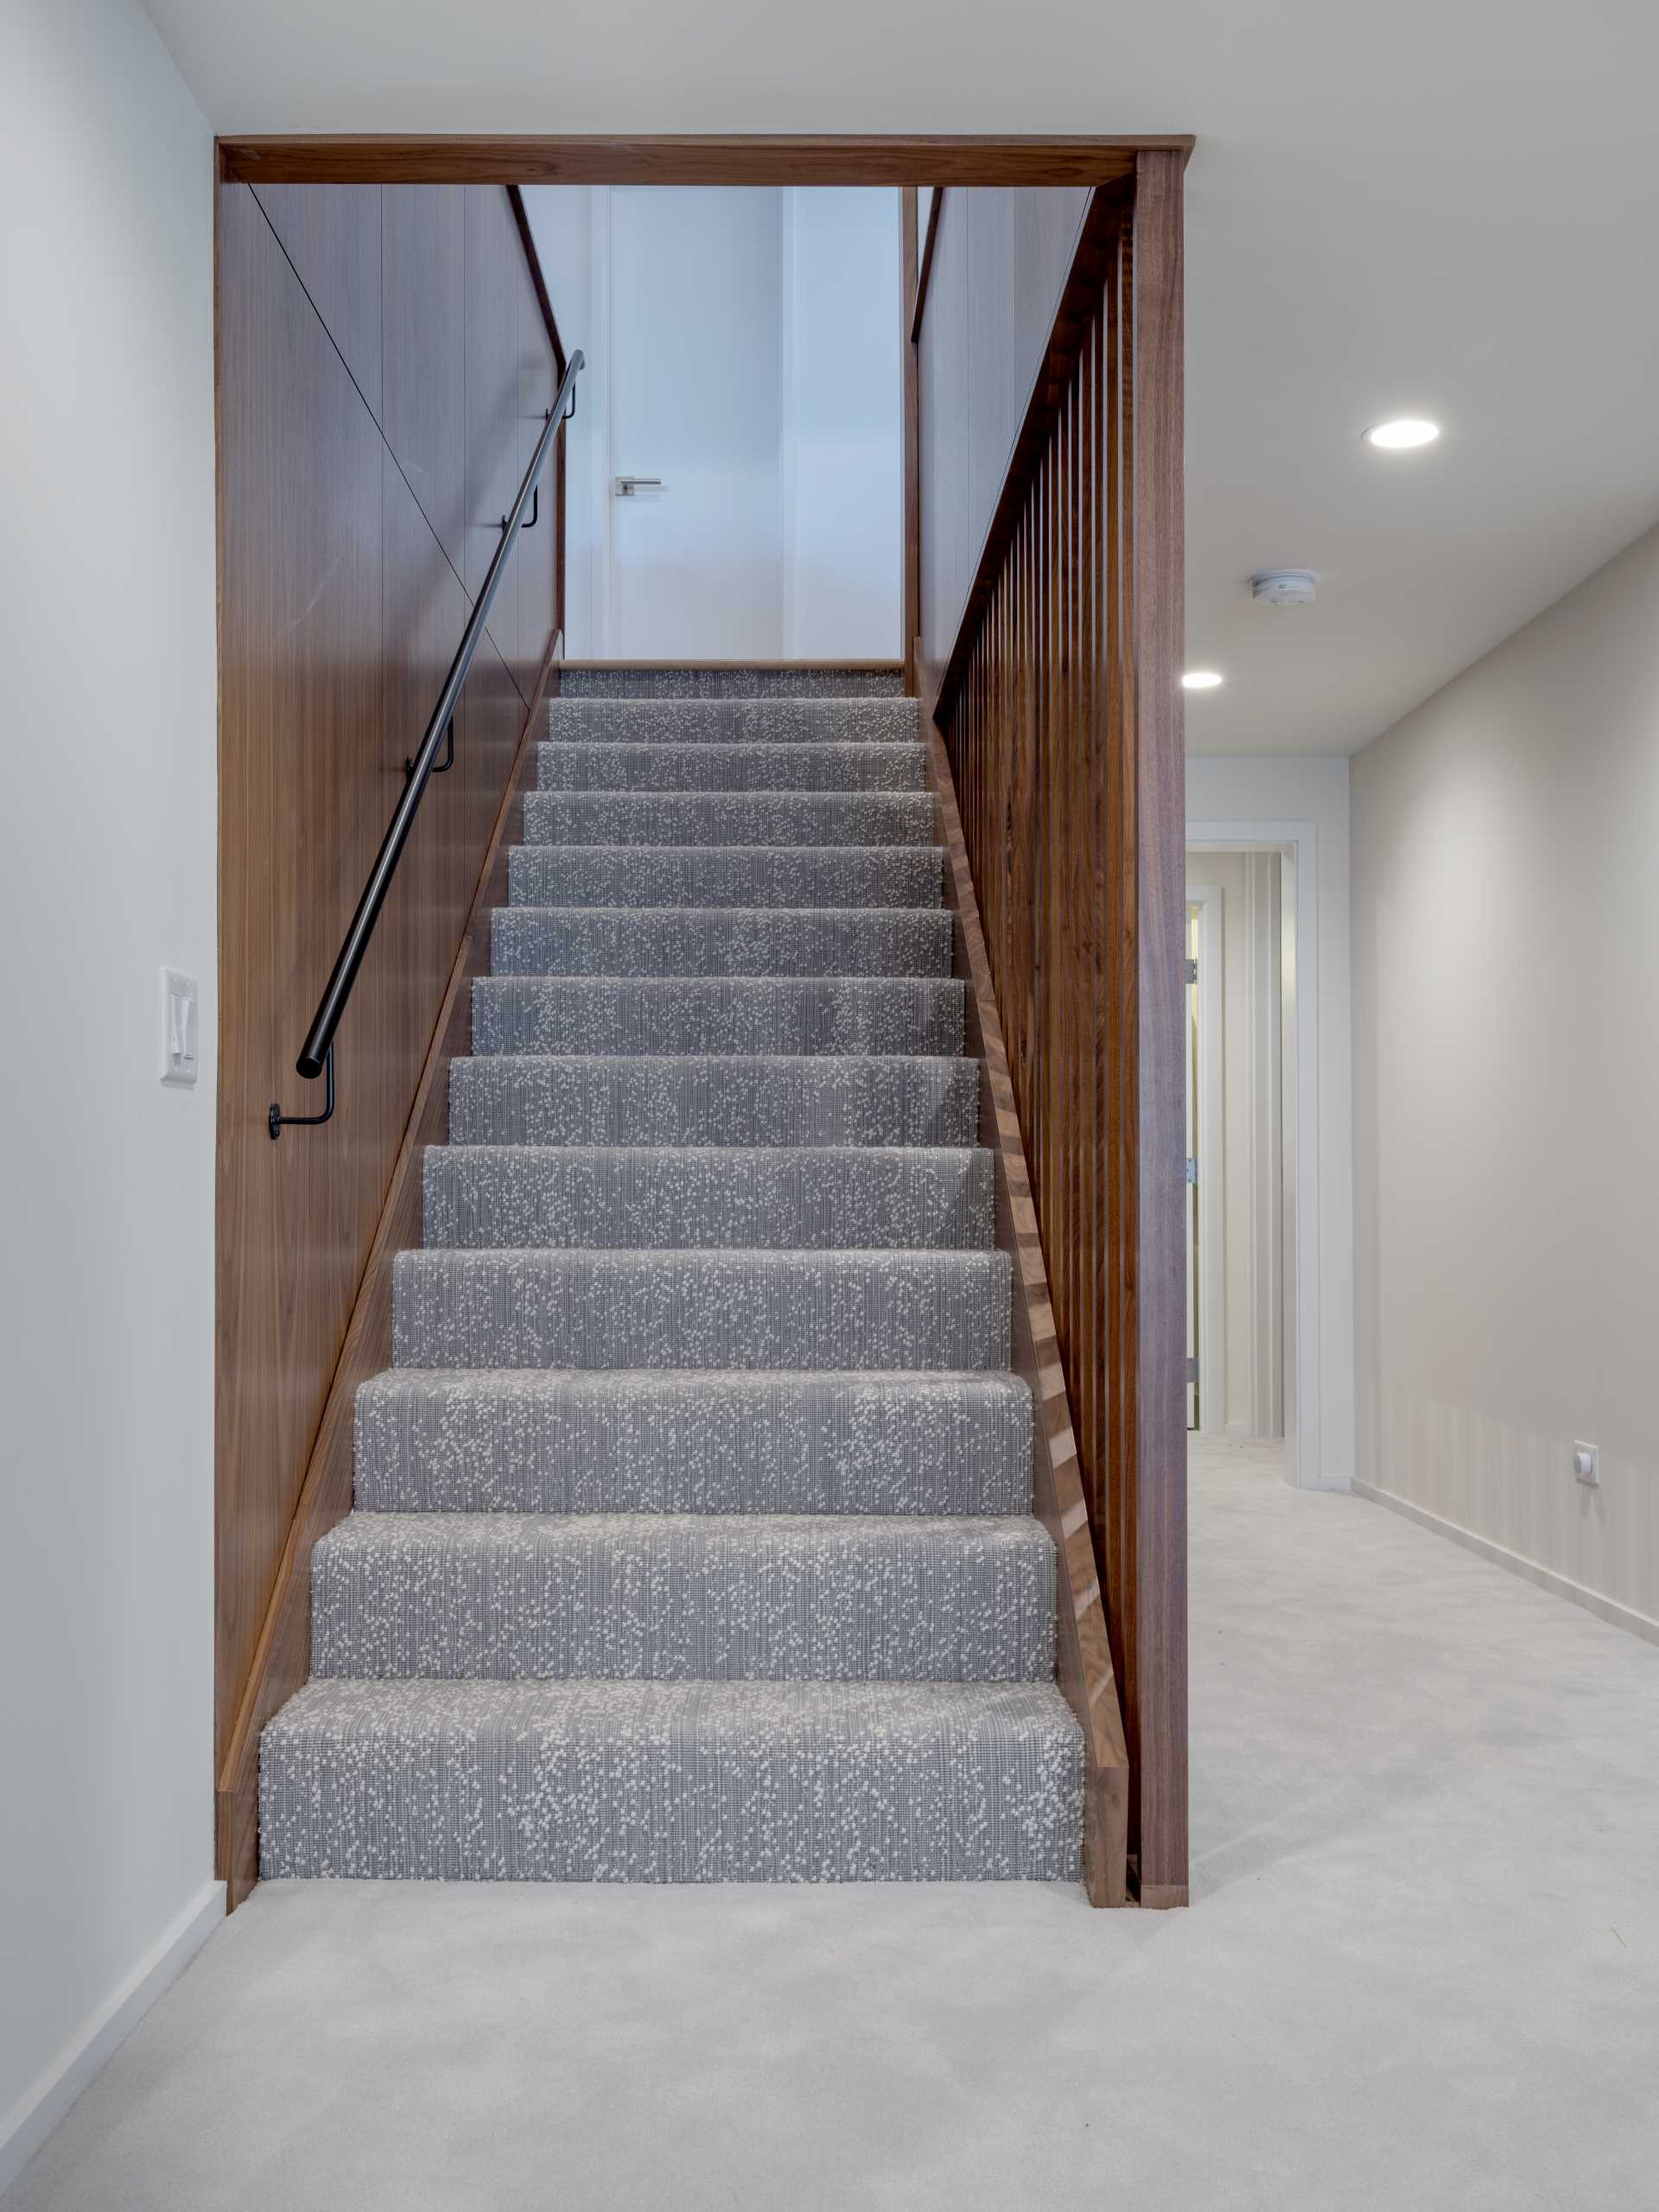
(727, 679)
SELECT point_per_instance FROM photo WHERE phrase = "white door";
(693, 559)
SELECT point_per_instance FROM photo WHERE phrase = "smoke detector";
(1286, 587)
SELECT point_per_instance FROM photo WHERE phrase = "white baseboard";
(1546, 1578)
(44, 2103)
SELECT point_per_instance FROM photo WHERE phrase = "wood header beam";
(935, 160)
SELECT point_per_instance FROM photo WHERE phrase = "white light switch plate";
(1586, 1464)
(178, 1027)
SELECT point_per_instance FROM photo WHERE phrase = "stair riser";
(812, 1311)
(647, 1101)
(724, 1015)
(800, 683)
(801, 819)
(710, 942)
(652, 1599)
(861, 767)
(732, 721)
(701, 1782)
(716, 1443)
(729, 875)
(500, 1198)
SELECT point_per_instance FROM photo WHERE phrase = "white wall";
(1506, 910)
(843, 462)
(107, 870)
(561, 223)
(799, 533)
(1239, 801)
(694, 389)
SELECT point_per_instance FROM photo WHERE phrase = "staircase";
(692, 1536)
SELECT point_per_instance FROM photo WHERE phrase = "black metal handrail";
(317, 1053)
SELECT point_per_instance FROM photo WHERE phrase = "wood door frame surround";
(1115, 1801)
(940, 159)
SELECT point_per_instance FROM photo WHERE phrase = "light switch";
(1586, 1464)
(178, 1027)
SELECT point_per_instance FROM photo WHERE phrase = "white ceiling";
(1447, 208)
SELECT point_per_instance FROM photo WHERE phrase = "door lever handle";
(626, 485)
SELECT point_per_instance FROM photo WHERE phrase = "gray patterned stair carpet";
(692, 1537)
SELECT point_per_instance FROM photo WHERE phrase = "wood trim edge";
(1084, 1656)
(516, 201)
(1164, 1897)
(910, 440)
(282, 1656)
(924, 268)
(1155, 1537)
(757, 158)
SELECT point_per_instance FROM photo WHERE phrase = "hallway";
(1420, 1967)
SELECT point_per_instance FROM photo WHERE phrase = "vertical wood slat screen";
(1048, 743)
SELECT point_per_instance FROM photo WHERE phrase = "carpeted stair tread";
(732, 721)
(764, 1597)
(866, 1309)
(692, 1536)
(586, 1781)
(660, 1440)
(838, 819)
(720, 941)
(860, 766)
(724, 875)
(747, 1015)
(684, 1198)
(713, 1099)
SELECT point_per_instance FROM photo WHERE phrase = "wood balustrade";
(1059, 706)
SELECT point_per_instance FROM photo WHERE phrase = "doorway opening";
(735, 470)
(1241, 1165)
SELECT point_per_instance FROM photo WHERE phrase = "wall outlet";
(1586, 1464)
(178, 1027)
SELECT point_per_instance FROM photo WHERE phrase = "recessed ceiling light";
(1400, 436)
(1200, 679)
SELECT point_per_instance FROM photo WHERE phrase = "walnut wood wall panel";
(302, 713)
(333, 239)
(424, 229)
(1060, 708)
(341, 610)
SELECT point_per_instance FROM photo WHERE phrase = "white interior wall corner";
(106, 1177)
